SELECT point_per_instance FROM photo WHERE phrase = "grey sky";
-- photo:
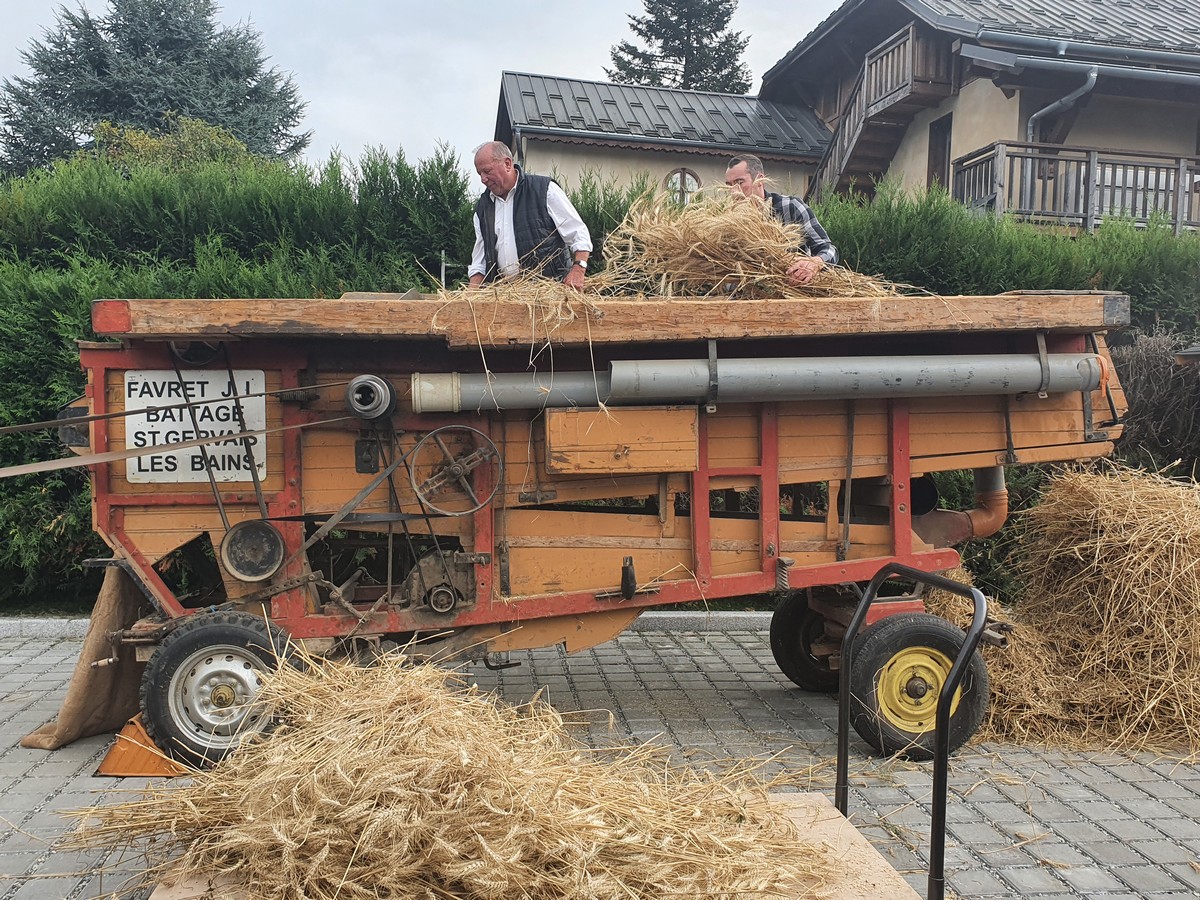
(408, 74)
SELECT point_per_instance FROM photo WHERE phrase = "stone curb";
(699, 621)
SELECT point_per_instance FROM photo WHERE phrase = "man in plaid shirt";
(745, 175)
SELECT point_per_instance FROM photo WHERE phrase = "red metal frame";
(291, 609)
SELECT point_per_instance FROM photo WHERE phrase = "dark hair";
(754, 165)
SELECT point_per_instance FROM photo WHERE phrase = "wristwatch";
(582, 263)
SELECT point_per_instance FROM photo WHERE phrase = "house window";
(939, 152)
(682, 184)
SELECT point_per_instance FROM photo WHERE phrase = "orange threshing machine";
(485, 476)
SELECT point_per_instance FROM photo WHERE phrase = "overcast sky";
(399, 73)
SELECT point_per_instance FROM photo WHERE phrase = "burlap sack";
(103, 699)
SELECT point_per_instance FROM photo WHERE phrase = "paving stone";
(716, 696)
(1029, 880)
(1149, 879)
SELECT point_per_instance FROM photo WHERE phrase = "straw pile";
(716, 245)
(388, 782)
(1106, 652)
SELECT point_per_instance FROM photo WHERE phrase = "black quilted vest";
(539, 246)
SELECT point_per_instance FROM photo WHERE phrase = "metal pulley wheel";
(253, 550)
(441, 466)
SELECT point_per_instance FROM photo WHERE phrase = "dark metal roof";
(1149, 24)
(622, 113)
(1162, 26)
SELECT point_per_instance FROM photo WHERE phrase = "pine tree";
(688, 45)
(137, 66)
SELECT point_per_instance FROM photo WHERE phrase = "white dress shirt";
(570, 228)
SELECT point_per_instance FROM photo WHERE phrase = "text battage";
(213, 414)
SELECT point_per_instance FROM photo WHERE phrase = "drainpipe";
(1031, 126)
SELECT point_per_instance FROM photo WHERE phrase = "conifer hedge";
(135, 219)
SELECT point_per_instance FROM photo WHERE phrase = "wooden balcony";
(1080, 186)
(908, 72)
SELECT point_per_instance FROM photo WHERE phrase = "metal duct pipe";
(642, 381)
(950, 527)
(636, 382)
(452, 392)
(991, 502)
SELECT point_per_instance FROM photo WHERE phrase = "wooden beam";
(483, 320)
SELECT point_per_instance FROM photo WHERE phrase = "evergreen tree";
(688, 45)
(138, 65)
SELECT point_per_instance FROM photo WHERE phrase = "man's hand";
(475, 281)
(804, 269)
(574, 278)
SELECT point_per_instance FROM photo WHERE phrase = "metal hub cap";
(211, 694)
(909, 686)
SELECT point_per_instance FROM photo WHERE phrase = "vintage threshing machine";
(482, 475)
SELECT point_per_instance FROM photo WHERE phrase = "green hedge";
(123, 227)
(932, 242)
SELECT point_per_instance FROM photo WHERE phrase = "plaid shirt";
(793, 211)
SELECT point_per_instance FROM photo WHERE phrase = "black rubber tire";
(197, 689)
(794, 629)
(893, 652)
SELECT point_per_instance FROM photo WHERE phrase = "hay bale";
(1105, 645)
(1112, 564)
(716, 245)
(389, 782)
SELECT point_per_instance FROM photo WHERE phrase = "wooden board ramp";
(860, 873)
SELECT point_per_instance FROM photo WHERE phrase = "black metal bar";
(208, 470)
(941, 750)
(247, 441)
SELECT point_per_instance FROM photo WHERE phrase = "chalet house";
(683, 139)
(1055, 110)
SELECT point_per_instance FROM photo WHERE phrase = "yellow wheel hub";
(908, 688)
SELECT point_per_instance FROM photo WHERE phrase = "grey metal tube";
(851, 376)
(1012, 61)
(452, 392)
(1064, 102)
(633, 382)
(1060, 46)
(989, 479)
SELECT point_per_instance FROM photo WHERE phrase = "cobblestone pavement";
(1021, 822)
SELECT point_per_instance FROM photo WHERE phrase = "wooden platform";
(862, 873)
(479, 319)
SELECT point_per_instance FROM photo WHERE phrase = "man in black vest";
(524, 222)
(745, 176)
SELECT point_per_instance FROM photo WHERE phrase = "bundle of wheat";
(716, 245)
(1105, 651)
(389, 782)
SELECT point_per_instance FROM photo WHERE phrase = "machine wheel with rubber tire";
(897, 672)
(795, 628)
(198, 690)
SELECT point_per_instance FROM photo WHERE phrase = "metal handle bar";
(941, 746)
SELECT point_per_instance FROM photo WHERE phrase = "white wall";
(982, 115)
(1126, 124)
(567, 161)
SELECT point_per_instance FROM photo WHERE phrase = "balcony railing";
(1080, 186)
(906, 72)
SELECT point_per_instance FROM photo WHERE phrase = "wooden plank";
(621, 440)
(482, 320)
